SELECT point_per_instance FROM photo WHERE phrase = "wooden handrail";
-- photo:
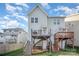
(38, 32)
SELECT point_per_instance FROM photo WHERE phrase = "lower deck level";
(60, 40)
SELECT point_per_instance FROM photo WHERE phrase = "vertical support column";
(27, 49)
(57, 45)
(50, 42)
(73, 40)
(28, 45)
(63, 44)
(31, 46)
(44, 45)
(73, 43)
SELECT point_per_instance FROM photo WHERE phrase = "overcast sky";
(15, 14)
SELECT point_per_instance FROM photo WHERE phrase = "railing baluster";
(40, 32)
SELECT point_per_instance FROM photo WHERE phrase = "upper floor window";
(56, 21)
(36, 20)
(32, 20)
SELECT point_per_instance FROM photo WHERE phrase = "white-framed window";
(56, 22)
(36, 20)
(32, 20)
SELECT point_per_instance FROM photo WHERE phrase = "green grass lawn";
(66, 52)
(13, 53)
(60, 53)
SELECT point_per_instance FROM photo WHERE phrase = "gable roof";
(38, 5)
(41, 8)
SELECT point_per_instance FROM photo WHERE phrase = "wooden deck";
(64, 35)
(41, 37)
(59, 36)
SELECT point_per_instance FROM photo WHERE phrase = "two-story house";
(42, 27)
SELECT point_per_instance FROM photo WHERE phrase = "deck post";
(50, 41)
(73, 43)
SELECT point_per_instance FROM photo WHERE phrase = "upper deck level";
(41, 33)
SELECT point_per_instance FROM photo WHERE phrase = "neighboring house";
(12, 39)
(15, 35)
(2, 40)
(72, 23)
(44, 26)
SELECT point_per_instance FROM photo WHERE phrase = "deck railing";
(40, 32)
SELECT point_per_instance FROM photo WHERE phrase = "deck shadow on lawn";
(68, 51)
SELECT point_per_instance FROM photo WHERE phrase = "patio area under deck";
(59, 36)
(42, 36)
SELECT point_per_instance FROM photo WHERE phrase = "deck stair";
(37, 42)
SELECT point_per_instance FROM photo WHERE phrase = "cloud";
(2, 26)
(9, 23)
(12, 23)
(67, 10)
(77, 7)
(10, 7)
(23, 18)
(61, 15)
(2, 22)
(6, 17)
(19, 8)
(25, 27)
(16, 16)
(14, 11)
(46, 5)
(22, 4)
